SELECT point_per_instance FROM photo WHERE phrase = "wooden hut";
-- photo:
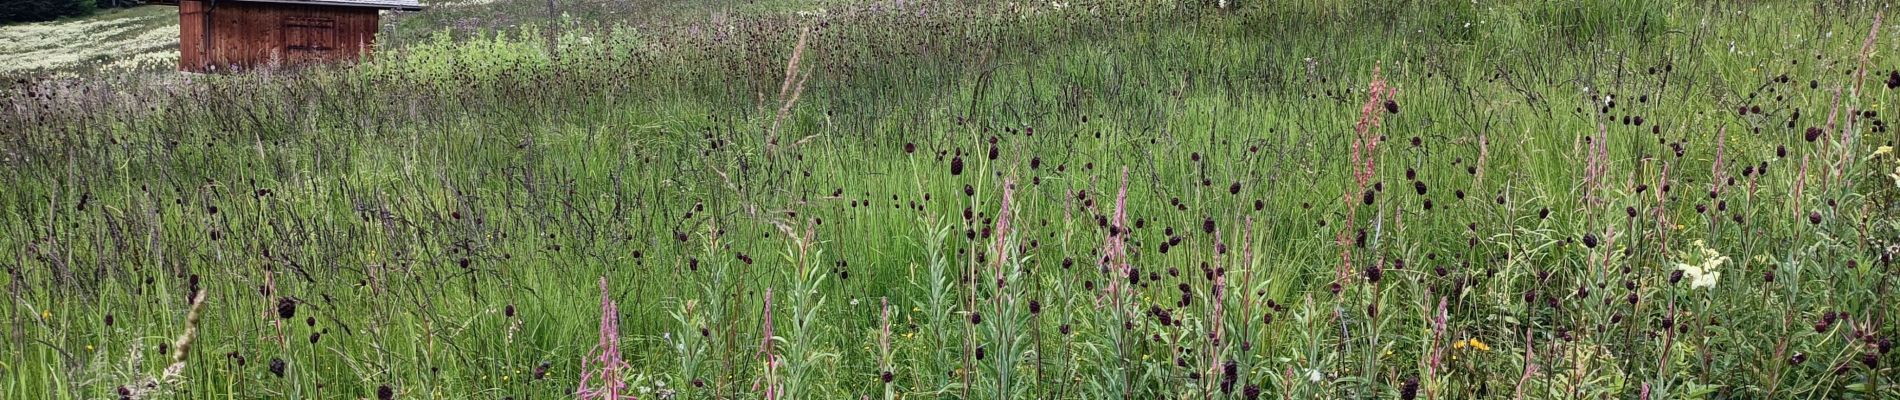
(218, 35)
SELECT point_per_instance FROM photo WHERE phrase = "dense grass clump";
(1082, 200)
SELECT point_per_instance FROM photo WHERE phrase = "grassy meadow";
(1130, 199)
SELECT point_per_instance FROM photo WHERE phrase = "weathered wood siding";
(248, 35)
(192, 36)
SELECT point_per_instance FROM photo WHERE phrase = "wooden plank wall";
(249, 35)
(191, 35)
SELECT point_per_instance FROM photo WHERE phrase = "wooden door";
(309, 39)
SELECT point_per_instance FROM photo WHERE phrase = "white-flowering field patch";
(141, 37)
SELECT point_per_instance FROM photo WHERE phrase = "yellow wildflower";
(1473, 343)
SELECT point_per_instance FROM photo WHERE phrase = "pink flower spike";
(603, 372)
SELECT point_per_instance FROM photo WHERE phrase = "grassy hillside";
(916, 199)
(144, 39)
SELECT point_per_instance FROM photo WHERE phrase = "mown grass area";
(1139, 199)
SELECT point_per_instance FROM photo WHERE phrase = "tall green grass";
(438, 219)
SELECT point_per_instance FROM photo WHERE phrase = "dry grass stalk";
(791, 89)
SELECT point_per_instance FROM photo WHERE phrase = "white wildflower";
(1699, 277)
(1705, 274)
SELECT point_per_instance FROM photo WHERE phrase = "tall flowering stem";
(1218, 321)
(1833, 117)
(885, 358)
(1005, 333)
(1596, 162)
(772, 387)
(1247, 297)
(999, 247)
(1114, 250)
(1434, 350)
(1716, 170)
(603, 372)
(1846, 149)
(1115, 259)
(1365, 150)
(1661, 211)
